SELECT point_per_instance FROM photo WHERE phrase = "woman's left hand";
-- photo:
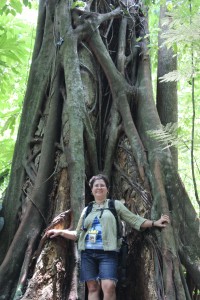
(162, 222)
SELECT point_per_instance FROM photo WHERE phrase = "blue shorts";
(98, 264)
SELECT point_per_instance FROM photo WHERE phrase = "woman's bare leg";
(93, 290)
(109, 289)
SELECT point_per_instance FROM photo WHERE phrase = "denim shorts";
(98, 264)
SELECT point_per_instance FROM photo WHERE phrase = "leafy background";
(184, 36)
(17, 32)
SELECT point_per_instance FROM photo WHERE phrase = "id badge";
(92, 238)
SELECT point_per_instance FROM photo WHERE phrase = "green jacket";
(108, 224)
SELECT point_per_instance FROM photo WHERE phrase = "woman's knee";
(93, 286)
(108, 286)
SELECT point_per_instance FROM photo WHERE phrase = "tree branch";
(122, 46)
(113, 133)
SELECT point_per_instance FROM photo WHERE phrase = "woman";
(98, 241)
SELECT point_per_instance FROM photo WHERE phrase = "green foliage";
(12, 44)
(154, 29)
(16, 40)
(182, 23)
(184, 36)
(78, 4)
(13, 7)
(6, 153)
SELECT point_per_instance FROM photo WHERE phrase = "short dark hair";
(97, 177)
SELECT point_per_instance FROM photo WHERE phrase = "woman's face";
(99, 190)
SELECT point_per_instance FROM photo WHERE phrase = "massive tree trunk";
(89, 108)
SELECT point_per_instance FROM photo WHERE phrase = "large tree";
(89, 108)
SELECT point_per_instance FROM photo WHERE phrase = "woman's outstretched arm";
(67, 234)
(161, 223)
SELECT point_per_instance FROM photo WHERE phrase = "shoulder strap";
(88, 210)
(111, 206)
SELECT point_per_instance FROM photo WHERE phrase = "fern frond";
(167, 135)
(181, 29)
(171, 76)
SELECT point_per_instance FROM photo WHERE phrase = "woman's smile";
(99, 190)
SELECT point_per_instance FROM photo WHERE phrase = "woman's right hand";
(65, 233)
(52, 233)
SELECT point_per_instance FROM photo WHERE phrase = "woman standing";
(98, 240)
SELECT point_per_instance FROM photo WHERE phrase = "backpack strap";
(88, 210)
(111, 206)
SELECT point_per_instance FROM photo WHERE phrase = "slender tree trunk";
(167, 103)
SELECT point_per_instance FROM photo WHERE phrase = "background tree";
(167, 104)
(89, 108)
(183, 37)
